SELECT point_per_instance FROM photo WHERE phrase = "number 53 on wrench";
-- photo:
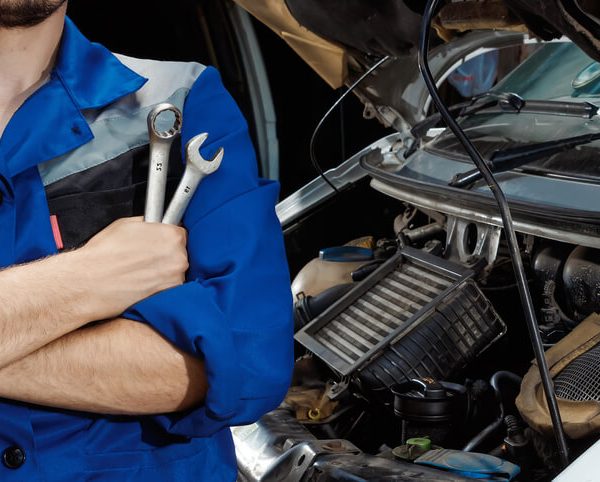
(160, 148)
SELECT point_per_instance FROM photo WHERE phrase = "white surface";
(585, 469)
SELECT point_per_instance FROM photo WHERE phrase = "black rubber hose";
(511, 237)
(496, 424)
(483, 435)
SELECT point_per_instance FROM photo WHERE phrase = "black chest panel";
(88, 201)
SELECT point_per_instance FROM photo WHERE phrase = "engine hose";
(496, 424)
(308, 308)
(511, 237)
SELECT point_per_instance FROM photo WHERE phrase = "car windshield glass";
(558, 72)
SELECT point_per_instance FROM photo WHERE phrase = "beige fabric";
(326, 58)
(579, 418)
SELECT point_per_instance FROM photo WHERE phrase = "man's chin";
(26, 13)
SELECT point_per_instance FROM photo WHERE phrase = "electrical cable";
(313, 157)
(511, 237)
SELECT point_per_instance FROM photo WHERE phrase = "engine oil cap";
(413, 448)
(427, 400)
(421, 442)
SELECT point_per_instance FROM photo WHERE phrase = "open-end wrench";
(195, 170)
(160, 147)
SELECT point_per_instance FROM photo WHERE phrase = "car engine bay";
(410, 336)
(444, 330)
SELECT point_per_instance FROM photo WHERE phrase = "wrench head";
(160, 110)
(194, 158)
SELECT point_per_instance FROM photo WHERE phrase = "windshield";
(549, 73)
(557, 71)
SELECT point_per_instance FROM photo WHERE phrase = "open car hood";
(340, 39)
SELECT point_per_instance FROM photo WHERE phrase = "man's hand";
(126, 262)
(131, 260)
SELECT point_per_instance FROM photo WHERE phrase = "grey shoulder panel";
(122, 126)
(164, 77)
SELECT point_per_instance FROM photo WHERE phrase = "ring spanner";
(196, 169)
(160, 147)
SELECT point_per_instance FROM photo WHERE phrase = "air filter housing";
(416, 316)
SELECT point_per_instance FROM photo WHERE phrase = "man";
(92, 389)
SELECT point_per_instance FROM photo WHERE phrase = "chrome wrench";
(196, 169)
(160, 147)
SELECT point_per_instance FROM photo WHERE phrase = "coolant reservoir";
(333, 267)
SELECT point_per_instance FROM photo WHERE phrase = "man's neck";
(27, 56)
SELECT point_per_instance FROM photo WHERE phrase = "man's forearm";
(124, 263)
(40, 302)
(118, 367)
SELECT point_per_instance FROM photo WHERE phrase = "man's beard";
(26, 13)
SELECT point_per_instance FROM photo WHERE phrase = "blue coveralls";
(234, 311)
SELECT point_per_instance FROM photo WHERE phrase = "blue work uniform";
(76, 151)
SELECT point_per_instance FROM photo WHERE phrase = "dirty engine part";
(415, 316)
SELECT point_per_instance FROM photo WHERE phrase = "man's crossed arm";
(117, 367)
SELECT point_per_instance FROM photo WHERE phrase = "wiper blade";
(505, 102)
(464, 109)
(507, 159)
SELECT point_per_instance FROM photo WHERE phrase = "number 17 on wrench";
(196, 169)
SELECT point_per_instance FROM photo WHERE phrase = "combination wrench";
(160, 147)
(196, 169)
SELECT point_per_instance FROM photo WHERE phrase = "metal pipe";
(423, 232)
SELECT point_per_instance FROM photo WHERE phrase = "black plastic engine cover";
(416, 316)
(460, 328)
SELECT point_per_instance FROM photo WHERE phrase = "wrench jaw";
(192, 148)
(195, 159)
(211, 166)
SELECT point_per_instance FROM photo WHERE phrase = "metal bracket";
(468, 239)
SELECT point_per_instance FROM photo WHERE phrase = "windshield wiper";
(503, 102)
(507, 159)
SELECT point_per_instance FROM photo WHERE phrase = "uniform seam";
(129, 148)
(186, 90)
(51, 180)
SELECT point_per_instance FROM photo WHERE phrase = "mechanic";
(113, 366)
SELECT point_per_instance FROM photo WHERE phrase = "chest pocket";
(86, 202)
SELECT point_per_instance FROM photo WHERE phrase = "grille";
(580, 379)
(404, 296)
(384, 309)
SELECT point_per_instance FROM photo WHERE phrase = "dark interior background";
(199, 30)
